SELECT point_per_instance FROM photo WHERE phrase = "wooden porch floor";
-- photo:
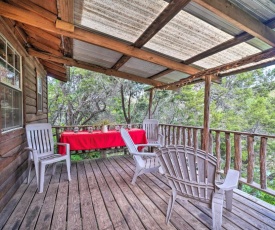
(100, 196)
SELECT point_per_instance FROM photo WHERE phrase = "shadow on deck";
(100, 196)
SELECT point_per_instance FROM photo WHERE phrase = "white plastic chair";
(145, 162)
(41, 151)
(184, 167)
(151, 127)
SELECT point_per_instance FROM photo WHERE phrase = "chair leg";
(42, 176)
(68, 163)
(36, 167)
(228, 199)
(137, 173)
(217, 208)
(171, 205)
(54, 168)
(29, 170)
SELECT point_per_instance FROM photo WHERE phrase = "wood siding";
(13, 161)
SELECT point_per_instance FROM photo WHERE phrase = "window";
(39, 94)
(10, 86)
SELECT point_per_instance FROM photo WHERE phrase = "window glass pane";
(2, 48)
(11, 108)
(17, 79)
(39, 94)
(3, 70)
(17, 61)
(10, 54)
(11, 75)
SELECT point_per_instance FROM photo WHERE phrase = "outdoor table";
(84, 140)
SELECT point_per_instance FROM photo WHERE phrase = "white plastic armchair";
(184, 168)
(41, 151)
(145, 162)
(151, 127)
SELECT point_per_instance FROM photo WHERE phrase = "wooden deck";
(100, 196)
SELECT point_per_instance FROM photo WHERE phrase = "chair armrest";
(147, 145)
(66, 145)
(32, 153)
(231, 180)
(145, 154)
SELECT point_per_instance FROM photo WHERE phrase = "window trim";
(18, 88)
(38, 110)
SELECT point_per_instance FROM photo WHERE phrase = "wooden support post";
(150, 103)
(263, 181)
(251, 159)
(218, 153)
(195, 139)
(206, 122)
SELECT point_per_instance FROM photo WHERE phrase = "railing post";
(228, 152)
(189, 137)
(263, 181)
(206, 120)
(178, 135)
(210, 148)
(183, 136)
(238, 152)
(251, 159)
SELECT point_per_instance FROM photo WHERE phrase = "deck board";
(101, 196)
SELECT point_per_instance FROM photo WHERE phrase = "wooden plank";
(102, 217)
(87, 209)
(58, 67)
(11, 144)
(59, 220)
(37, 204)
(160, 198)
(113, 209)
(46, 213)
(15, 199)
(34, 117)
(239, 18)
(170, 11)
(24, 16)
(139, 202)
(130, 216)
(17, 216)
(206, 119)
(187, 212)
(84, 65)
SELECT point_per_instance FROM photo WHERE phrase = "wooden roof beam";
(83, 65)
(249, 68)
(239, 18)
(56, 66)
(164, 17)
(214, 71)
(57, 77)
(25, 16)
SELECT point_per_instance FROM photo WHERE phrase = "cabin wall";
(13, 160)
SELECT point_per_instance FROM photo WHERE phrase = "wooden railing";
(246, 152)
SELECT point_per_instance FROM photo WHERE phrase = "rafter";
(80, 64)
(25, 16)
(164, 17)
(239, 18)
(214, 71)
(56, 66)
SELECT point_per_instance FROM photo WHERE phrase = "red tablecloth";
(98, 140)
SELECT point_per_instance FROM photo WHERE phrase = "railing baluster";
(228, 152)
(178, 135)
(251, 159)
(195, 138)
(218, 152)
(210, 148)
(238, 152)
(263, 181)
(189, 137)
(183, 136)
(201, 138)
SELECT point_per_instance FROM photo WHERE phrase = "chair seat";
(51, 158)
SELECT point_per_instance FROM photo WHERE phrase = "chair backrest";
(40, 138)
(184, 168)
(131, 146)
(151, 128)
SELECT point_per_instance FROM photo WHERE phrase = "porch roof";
(154, 42)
